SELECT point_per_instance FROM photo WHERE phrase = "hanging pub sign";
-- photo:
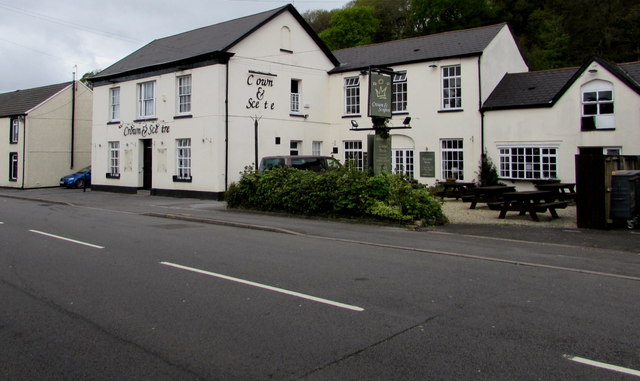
(379, 94)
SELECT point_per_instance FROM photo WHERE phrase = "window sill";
(13, 180)
(113, 122)
(152, 119)
(183, 116)
(351, 116)
(450, 110)
(12, 142)
(112, 176)
(598, 129)
(177, 179)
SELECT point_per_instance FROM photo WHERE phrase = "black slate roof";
(530, 89)
(20, 101)
(459, 43)
(544, 88)
(218, 38)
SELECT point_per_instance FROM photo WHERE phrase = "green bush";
(337, 193)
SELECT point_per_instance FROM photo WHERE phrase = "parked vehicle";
(309, 163)
(78, 179)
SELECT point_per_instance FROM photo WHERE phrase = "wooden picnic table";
(562, 191)
(531, 202)
(455, 189)
(492, 195)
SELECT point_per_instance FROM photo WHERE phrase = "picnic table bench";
(491, 195)
(455, 189)
(562, 191)
(531, 202)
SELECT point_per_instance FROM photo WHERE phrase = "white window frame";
(295, 95)
(316, 148)
(184, 85)
(114, 159)
(295, 147)
(183, 159)
(452, 158)
(598, 102)
(451, 87)
(147, 100)
(399, 98)
(403, 161)
(528, 162)
(352, 96)
(114, 104)
(353, 154)
(15, 130)
(13, 166)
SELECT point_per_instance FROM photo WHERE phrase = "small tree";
(488, 172)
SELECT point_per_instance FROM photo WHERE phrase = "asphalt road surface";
(88, 293)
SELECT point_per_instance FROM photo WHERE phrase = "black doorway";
(147, 145)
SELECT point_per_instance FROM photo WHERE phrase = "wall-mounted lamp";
(406, 120)
(433, 66)
(354, 123)
(593, 71)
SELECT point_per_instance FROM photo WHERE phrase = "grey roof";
(531, 89)
(544, 88)
(218, 38)
(418, 49)
(20, 101)
(632, 69)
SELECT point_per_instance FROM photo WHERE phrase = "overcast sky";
(41, 40)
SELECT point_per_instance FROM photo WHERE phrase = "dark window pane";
(590, 109)
(605, 95)
(606, 108)
(590, 97)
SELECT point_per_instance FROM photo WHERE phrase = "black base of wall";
(218, 196)
(114, 189)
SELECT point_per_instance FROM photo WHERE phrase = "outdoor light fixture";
(593, 71)
(433, 66)
(406, 120)
(354, 124)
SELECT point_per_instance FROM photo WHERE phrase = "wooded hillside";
(551, 33)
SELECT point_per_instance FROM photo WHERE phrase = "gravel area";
(458, 212)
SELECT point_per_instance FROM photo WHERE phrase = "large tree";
(350, 27)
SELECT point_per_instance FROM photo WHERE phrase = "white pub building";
(186, 114)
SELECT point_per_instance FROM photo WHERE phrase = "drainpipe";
(24, 146)
(480, 107)
(73, 114)
(226, 127)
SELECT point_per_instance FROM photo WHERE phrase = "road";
(91, 293)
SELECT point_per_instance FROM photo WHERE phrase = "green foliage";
(337, 193)
(350, 27)
(551, 33)
(488, 173)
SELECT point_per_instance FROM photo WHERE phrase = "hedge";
(337, 193)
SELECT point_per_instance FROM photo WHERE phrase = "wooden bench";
(531, 202)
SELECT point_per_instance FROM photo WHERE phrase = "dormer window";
(598, 106)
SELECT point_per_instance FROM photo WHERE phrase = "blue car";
(78, 179)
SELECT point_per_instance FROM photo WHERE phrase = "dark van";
(309, 163)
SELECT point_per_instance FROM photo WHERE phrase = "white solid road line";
(67, 239)
(270, 288)
(603, 365)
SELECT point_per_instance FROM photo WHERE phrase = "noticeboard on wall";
(427, 164)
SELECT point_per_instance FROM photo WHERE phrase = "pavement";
(479, 222)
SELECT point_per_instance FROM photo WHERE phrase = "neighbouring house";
(46, 134)
(186, 114)
(536, 122)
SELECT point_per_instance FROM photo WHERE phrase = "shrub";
(338, 193)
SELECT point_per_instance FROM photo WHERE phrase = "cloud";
(41, 41)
